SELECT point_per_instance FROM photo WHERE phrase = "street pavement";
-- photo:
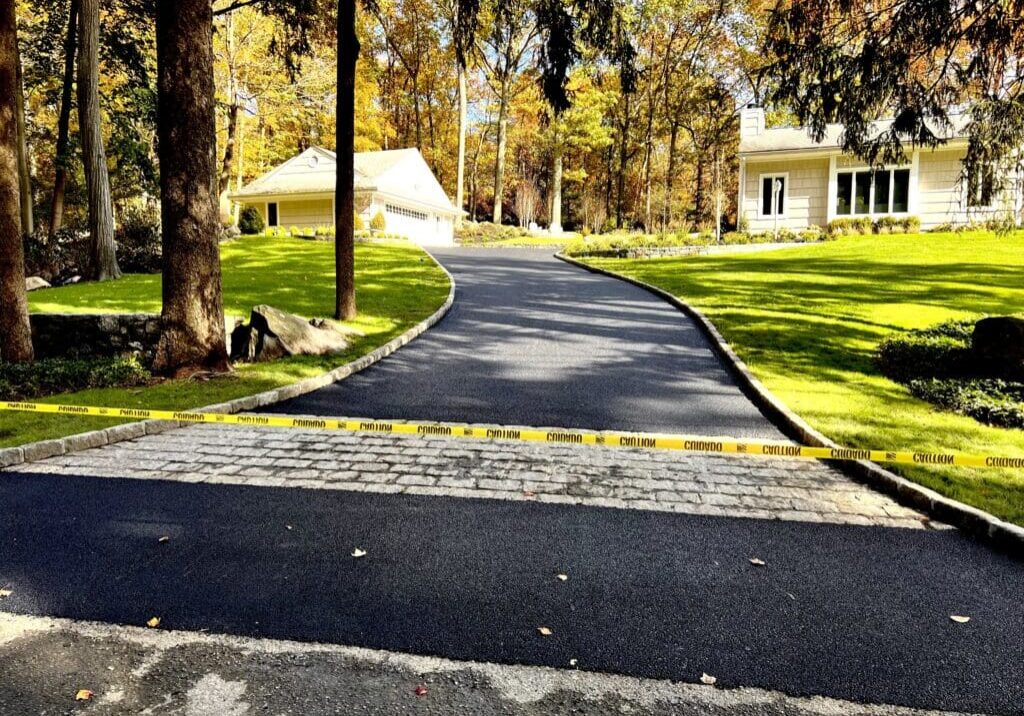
(534, 341)
(796, 589)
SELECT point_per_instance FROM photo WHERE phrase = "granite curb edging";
(971, 520)
(31, 452)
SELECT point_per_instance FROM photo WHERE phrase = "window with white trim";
(402, 211)
(866, 192)
(773, 195)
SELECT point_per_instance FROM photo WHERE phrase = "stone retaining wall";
(101, 334)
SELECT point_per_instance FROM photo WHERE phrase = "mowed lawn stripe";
(807, 321)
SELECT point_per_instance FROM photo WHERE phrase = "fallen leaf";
(357, 553)
(708, 679)
(5, 593)
(544, 631)
(420, 690)
(572, 662)
(288, 527)
(563, 577)
(153, 623)
(959, 619)
(529, 493)
(757, 562)
(83, 695)
(163, 539)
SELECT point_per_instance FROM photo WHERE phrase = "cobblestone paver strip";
(606, 477)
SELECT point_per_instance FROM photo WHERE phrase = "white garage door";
(408, 222)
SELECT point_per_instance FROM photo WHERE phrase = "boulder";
(273, 333)
(998, 345)
(33, 283)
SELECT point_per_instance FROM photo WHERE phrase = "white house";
(789, 181)
(397, 183)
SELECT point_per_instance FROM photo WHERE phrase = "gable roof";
(798, 139)
(314, 171)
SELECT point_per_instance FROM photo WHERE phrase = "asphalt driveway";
(534, 341)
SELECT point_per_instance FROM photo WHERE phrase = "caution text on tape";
(658, 441)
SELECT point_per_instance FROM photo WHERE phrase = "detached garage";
(397, 183)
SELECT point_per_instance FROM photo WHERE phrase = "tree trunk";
(499, 157)
(15, 334)
(556, 196)
(344, 200)
(101, 211)
(193, 312)
(232, 133)
(28, 224)
(670, 176)
(623, 159)
(698, 193)
(461, 173)
(60, 179)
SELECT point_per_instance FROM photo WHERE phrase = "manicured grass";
(807, 321)
(397, 285)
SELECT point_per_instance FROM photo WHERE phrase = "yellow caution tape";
(660, 441)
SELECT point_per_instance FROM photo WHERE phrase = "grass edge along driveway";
(397, 286)
(807, 320)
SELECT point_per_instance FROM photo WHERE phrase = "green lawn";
(397, 285)
(806, 320)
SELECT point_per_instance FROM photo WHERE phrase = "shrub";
(912, 225)
(989, 401)
(20, 381)
(378, 222)
(357, 222)
(936, 365)
(139, 248)
(812, 233)
(250, 221)
(56, 258)
(736, 237)
(937, 352)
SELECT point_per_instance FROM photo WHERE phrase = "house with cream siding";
(397, 183)
(789, 181)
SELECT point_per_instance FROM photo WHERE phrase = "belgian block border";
(41, 450)
(971, 520)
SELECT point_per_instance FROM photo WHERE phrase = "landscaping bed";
(809, 320)
(397, 286)
(940, 364)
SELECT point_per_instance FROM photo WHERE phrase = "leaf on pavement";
(5, 593)
(420, 690)
(544, 631)
(757, 562)
(357, 553)
(959, 619)
(529, 493)
(153, 623)
(708, 679)
(562, 577)
(83, 695)
(163, 539)
(572, 662)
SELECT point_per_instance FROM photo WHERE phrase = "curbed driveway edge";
(976, 522)
(30, 452)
